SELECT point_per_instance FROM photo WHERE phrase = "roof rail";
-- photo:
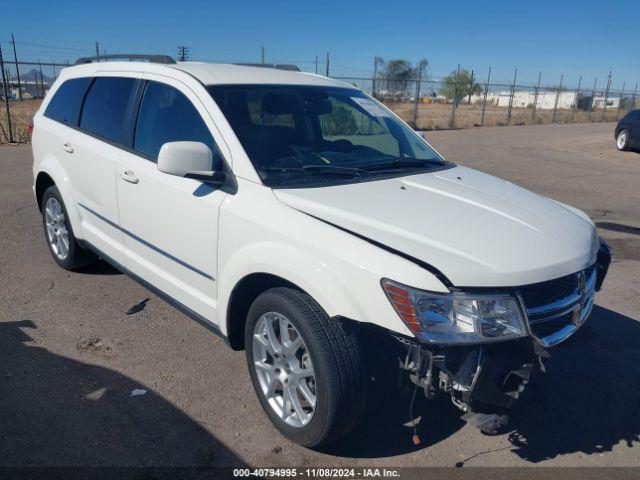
(277, 66)
(166, 59)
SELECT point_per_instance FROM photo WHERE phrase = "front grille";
(556, 308)
(544, 293)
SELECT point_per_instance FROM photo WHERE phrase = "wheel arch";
(43, 181)
(242, 296)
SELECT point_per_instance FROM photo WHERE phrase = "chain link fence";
(23, 85)
(434, 104)
(426, 105)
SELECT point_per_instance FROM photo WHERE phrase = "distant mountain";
(33, 75)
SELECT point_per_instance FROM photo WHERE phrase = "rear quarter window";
(65, 104)
(105, 107)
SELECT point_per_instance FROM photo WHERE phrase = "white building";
(611, 102)
(524, 99)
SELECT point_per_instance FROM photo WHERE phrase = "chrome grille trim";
(573, 309)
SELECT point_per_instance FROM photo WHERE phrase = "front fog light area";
(457, 317)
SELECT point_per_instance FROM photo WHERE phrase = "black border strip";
(147, 244)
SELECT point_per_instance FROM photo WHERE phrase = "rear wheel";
(62, 243)
(622, 140)
(305, 367)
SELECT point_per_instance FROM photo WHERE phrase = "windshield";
(300, 136)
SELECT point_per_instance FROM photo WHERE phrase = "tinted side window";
(105, 107)
(65, 104)
(166, 115)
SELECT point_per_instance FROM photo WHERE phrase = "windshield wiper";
(351, 171)
(405, 162)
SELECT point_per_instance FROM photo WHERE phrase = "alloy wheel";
(56, 225)
(621, 140)
(284, 369)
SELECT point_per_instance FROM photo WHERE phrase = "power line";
(29, 39)
(49, 47)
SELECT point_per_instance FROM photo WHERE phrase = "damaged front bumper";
(484, 380)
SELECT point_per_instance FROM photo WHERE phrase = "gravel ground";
(70, 356)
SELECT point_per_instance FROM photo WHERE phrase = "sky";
(569, 37)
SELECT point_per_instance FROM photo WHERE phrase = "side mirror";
(190, 160)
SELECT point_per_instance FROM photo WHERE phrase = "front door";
(170, 223)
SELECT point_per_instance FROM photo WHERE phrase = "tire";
(622, 140)
(339, 380)
(55, 223)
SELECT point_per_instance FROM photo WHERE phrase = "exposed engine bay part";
(482, 380)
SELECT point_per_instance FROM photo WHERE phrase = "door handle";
(67, 147)
(129, 176)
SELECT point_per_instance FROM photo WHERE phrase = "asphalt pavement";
(70, 356)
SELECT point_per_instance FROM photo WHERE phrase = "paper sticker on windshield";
(370, 106)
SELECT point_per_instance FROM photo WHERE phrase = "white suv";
(303, 221)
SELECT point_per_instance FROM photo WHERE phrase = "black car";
(628, 131)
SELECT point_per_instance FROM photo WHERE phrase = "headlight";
(454, 318)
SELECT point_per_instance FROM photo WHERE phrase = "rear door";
(170, 223)
(94, 152)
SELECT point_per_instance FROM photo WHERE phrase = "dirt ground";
(437, 116)
(21, 113)
(70, 356)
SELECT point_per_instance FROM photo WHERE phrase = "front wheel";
(622, 140)
(305, 367)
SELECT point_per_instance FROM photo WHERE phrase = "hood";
(478, 230)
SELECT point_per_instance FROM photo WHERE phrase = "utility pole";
(41, 80)
(575, 101)
(6, 96)
(484, 100)
(97, 49)
(421, 66)
(15, 58)
(454, 102)
(262, 55)
(535, 98)
(316, 64)
(327, 66)
(624, 84)
(183, 53)
(376, 61)
(513, 92)
(555, 104)
(593, 97)
(606, 95)
(471, 87)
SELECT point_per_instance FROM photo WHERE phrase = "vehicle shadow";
(60, 412)
(589, 399)
(100, 267)
(386, 428)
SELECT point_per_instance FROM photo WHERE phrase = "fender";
(341, 287)
(52, 167)
(294, 265)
